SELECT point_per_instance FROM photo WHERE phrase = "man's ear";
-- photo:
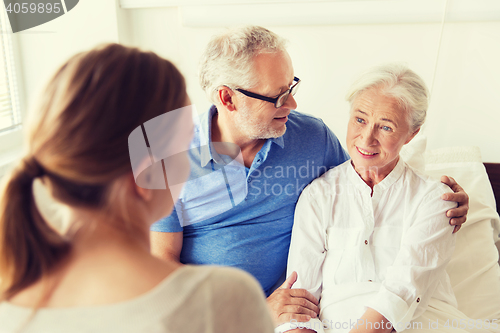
(225, 96)
(412, 135)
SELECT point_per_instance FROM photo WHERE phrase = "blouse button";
(370, 281)
(366, 242)
(418, 299)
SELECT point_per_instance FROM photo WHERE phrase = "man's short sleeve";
(334, 153)
(168, 224)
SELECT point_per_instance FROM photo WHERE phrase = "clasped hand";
(288, 304)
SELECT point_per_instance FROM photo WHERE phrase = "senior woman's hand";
(287, 304)
(458, 215)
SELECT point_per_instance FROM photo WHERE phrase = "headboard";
(493, 170)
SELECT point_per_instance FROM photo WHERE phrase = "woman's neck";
(373, 175)
(97, 231)
(107, 264)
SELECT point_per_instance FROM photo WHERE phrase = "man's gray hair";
(228, 58)
(398, 81)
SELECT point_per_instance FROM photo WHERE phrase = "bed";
(474, 269)
(493, 171)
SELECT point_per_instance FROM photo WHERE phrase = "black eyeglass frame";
(292, 90)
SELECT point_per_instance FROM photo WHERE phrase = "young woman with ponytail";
(99, 275)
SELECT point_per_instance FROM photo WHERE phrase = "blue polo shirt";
(236, 216)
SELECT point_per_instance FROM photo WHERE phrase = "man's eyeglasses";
(278, 101)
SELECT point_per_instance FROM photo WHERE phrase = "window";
(10, 109)
(10, 115)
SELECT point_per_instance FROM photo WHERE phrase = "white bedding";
(474, 270)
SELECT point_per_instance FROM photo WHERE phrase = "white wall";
(465, 106)
(44, 48)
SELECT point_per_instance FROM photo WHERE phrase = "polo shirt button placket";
(249, 179)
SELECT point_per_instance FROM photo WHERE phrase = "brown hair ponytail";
(29, 246)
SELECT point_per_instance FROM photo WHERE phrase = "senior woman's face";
(377, 131)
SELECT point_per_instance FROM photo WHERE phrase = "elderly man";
(243, 216)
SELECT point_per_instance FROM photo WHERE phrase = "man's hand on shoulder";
(458, 215)
(287, 304)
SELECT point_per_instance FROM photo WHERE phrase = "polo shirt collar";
(205, 136)
(279, 141)
(206, 154)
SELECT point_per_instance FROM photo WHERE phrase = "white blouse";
(387, 251)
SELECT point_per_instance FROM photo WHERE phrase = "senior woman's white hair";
(228, 58)
(398, 81)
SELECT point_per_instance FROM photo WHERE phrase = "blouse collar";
(387, 182)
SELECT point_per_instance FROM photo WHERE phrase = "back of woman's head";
(77, 140)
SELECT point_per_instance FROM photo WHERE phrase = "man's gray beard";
(253, 129)
(270, 133)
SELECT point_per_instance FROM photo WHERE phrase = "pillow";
(413, 152)
(474, 271)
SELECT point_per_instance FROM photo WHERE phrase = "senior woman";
(371, 236)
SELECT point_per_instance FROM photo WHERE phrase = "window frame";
(11, 140)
